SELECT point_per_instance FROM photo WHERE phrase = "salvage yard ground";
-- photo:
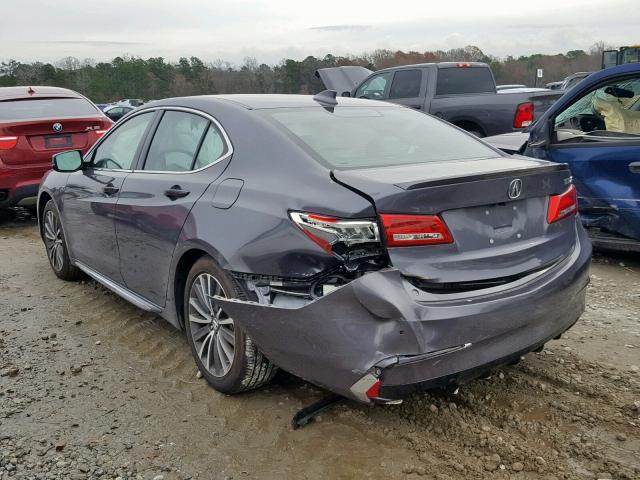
(92, 387)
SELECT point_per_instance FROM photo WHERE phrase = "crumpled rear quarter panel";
(336, 339)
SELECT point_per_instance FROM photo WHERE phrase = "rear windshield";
(356, 137)
(35, 108)
(464, 80)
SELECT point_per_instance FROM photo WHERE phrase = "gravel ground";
(91, 387)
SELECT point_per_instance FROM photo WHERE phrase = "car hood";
(343, 79)
(509, 142)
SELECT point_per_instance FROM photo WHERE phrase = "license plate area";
(57, 141)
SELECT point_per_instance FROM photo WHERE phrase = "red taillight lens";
(563, 205)
(328, 231)
(412, 230)
(374, 390)
(7, 143)
(463, 65)
(524, 115)
(100, 133)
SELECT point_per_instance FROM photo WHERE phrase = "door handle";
(634, 167)
(109, 189)
(176, 192)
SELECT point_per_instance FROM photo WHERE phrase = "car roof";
(15, 93)
(263, 101)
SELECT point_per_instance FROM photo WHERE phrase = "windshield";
(36, 108)
(358, 137)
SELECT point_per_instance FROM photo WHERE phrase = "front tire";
(56, 245)
(227, 358)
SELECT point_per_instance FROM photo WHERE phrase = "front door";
(91, 195)
(184, 156)
(598, 135)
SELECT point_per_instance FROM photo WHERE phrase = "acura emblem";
(515, 188)
(57, 127)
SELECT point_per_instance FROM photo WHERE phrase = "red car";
(35, 123)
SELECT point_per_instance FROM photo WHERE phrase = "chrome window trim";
(225, 137)
(137, 112)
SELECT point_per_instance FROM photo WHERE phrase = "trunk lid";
(38, 140)
(343, 79)
(495, 237)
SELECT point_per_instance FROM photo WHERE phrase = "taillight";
(374, 390)
(524, 115)
(463, 65)
(329, 231)
(100, 133)
(7, 143)
(413, 230)
(563, 205)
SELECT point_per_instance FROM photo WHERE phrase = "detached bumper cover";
(374, 324)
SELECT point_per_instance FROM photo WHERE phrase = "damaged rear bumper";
(381, 327)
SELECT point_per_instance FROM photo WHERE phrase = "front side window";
(361, 137)
(118, 150)
(176, 141)
(610, 112)
(406, 84)
(374, 88)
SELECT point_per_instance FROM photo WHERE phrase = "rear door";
(91, 194)
(598, 135)
(183, 157)
(408, 87)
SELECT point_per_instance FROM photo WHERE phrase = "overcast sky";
(270, 30)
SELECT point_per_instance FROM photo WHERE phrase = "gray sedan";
(368, 248)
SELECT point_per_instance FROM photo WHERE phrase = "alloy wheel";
(53, 240)
(212, 330)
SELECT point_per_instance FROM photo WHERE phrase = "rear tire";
(227, 358)
(56, 245)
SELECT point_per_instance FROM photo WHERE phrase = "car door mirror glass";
(70, 161)
(114, 114)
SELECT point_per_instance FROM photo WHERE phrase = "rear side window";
(54, 108)
(464, 80)
(176, 141)
(213, 147)
(406, 84)
(118, 150)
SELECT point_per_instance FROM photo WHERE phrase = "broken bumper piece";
(376, 338)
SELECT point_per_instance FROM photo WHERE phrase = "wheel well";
(469, 125)
(42, 201)
(182, 271)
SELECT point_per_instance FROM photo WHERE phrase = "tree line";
(154, 78)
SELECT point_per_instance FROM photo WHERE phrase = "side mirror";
(70, 161)
(114, 116)
(346, 94)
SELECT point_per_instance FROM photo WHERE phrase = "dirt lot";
(92, 387)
